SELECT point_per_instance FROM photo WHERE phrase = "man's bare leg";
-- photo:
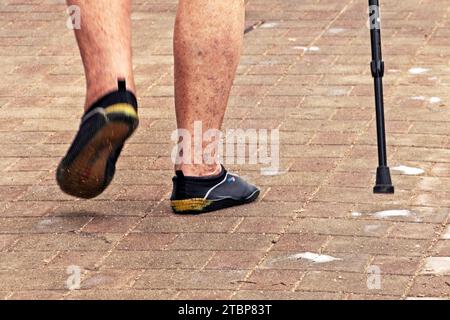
(105, 45)
(207, 44)
(207, 47)
(104, 40)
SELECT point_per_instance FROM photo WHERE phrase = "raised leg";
(104, 40)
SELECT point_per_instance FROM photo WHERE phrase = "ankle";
(98, 90)
(199, 170)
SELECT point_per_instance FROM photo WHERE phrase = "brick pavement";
(128, 244)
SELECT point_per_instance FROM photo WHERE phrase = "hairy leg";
(207, 47)
(104, 40)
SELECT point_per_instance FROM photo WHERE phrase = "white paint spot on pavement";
(392, 214)
(307, 49)
(336, 30)
(386, 214)
(49, 223)
(269, 172)
(418, 70)
(446, 235)
(269, 25)
(98, 280)
(309, 256)
(314, 257)
(437, 265)
(371, 228)
(435, 100)
(432, 100)
(45, 223)
(409, 170)
(338, 92)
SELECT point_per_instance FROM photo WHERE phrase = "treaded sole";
(200, 206)
(85, 177)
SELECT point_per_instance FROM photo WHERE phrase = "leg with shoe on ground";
(207, 46)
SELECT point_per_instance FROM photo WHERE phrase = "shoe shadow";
(67, 213)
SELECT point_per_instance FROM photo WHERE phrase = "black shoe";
(195, 195)
(90, 164)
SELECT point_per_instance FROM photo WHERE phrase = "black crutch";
(384, 182)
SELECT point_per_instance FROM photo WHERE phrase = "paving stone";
(110, 279)
(23, 261)
(37, 279)
(257, 226)
(369, 245)
(158, 259)
(221, 241)
(442, 248)
(111, 224)
(210, 279)
(75, 242)
(414, 231)
(37, 295)
(273, 280)
(137, 241)
(85, 260)
(121, 294)
(234, 260)
(271, 209)
(28, 208)
(431, 286)
(204, 295)
(327, 209)
(103, 208)
(42, 225)
(285, 295)
(396, 264)
(179, 224)
(353, 282)
(365, 297)
(300, 194)
(6, 241)
(338, 227)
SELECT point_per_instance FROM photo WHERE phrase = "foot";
(195, 195)
(90, 164)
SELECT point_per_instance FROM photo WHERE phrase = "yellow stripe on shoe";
(195, 204)
(122, 108)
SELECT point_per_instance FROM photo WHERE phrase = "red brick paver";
(128, 244)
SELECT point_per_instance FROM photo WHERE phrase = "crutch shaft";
(383, 183)
(377, 68)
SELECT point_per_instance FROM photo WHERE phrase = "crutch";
(383, 180)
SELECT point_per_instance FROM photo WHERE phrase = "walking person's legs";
(208, 41)
(207, 47)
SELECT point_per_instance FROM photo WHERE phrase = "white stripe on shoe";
(217, 185)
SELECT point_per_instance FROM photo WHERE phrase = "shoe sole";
(85, 177)
(198, 205)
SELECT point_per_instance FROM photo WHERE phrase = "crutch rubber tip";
(384, 182)
(383, 189)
